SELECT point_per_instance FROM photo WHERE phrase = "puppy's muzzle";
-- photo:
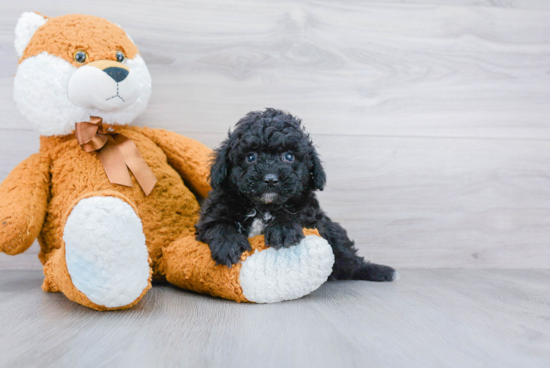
(271, 180)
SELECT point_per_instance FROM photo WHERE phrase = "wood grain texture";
(423, 202)
(429, 318)
(349, 67)
(431, 116)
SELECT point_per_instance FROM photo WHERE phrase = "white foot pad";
(105, 251)
(275, 275)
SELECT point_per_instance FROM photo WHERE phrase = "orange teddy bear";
(106, 233)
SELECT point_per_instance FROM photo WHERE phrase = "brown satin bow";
(115, 152)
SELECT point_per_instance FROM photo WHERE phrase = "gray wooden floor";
(433, 120)
(429, 318)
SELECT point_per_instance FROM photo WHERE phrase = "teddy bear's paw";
(105, 251)
(288, 273)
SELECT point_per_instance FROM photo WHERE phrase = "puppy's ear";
(220, 166)
(318, 175)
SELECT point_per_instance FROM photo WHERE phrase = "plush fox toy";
(114, 205)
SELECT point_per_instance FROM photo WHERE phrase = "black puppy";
(264, 179)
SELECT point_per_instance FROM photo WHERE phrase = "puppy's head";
(268, 158)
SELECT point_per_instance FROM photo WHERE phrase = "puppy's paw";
(376, 272)
(227, 250)
(278, 236)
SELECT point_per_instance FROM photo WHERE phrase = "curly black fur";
(264, 177)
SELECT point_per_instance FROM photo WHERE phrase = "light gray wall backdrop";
(432, 117)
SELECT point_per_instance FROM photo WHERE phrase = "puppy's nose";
(118, 74)
(271, 179)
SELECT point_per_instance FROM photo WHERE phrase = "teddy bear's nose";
(118, 74)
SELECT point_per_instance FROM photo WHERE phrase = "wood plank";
(417, 202)
(349, 67)
(422, 202)
(429, 318)
(506, 4)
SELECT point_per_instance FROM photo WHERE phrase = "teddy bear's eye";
(80, 57)
(120, 56)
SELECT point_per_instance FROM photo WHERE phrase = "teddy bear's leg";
(103, 263)
(264, 275)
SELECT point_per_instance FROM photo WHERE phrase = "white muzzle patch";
(93, 88)
(53, 94)
(269, 197)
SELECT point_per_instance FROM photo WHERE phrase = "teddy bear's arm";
(188, 157)
(23, 203)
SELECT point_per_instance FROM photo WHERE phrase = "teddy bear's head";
(76, 66)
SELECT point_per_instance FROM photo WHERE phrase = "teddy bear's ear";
(27, 24)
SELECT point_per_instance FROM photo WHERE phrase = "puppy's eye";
(80, 57)
(120, 56)
(251, 157)
(288, 157)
